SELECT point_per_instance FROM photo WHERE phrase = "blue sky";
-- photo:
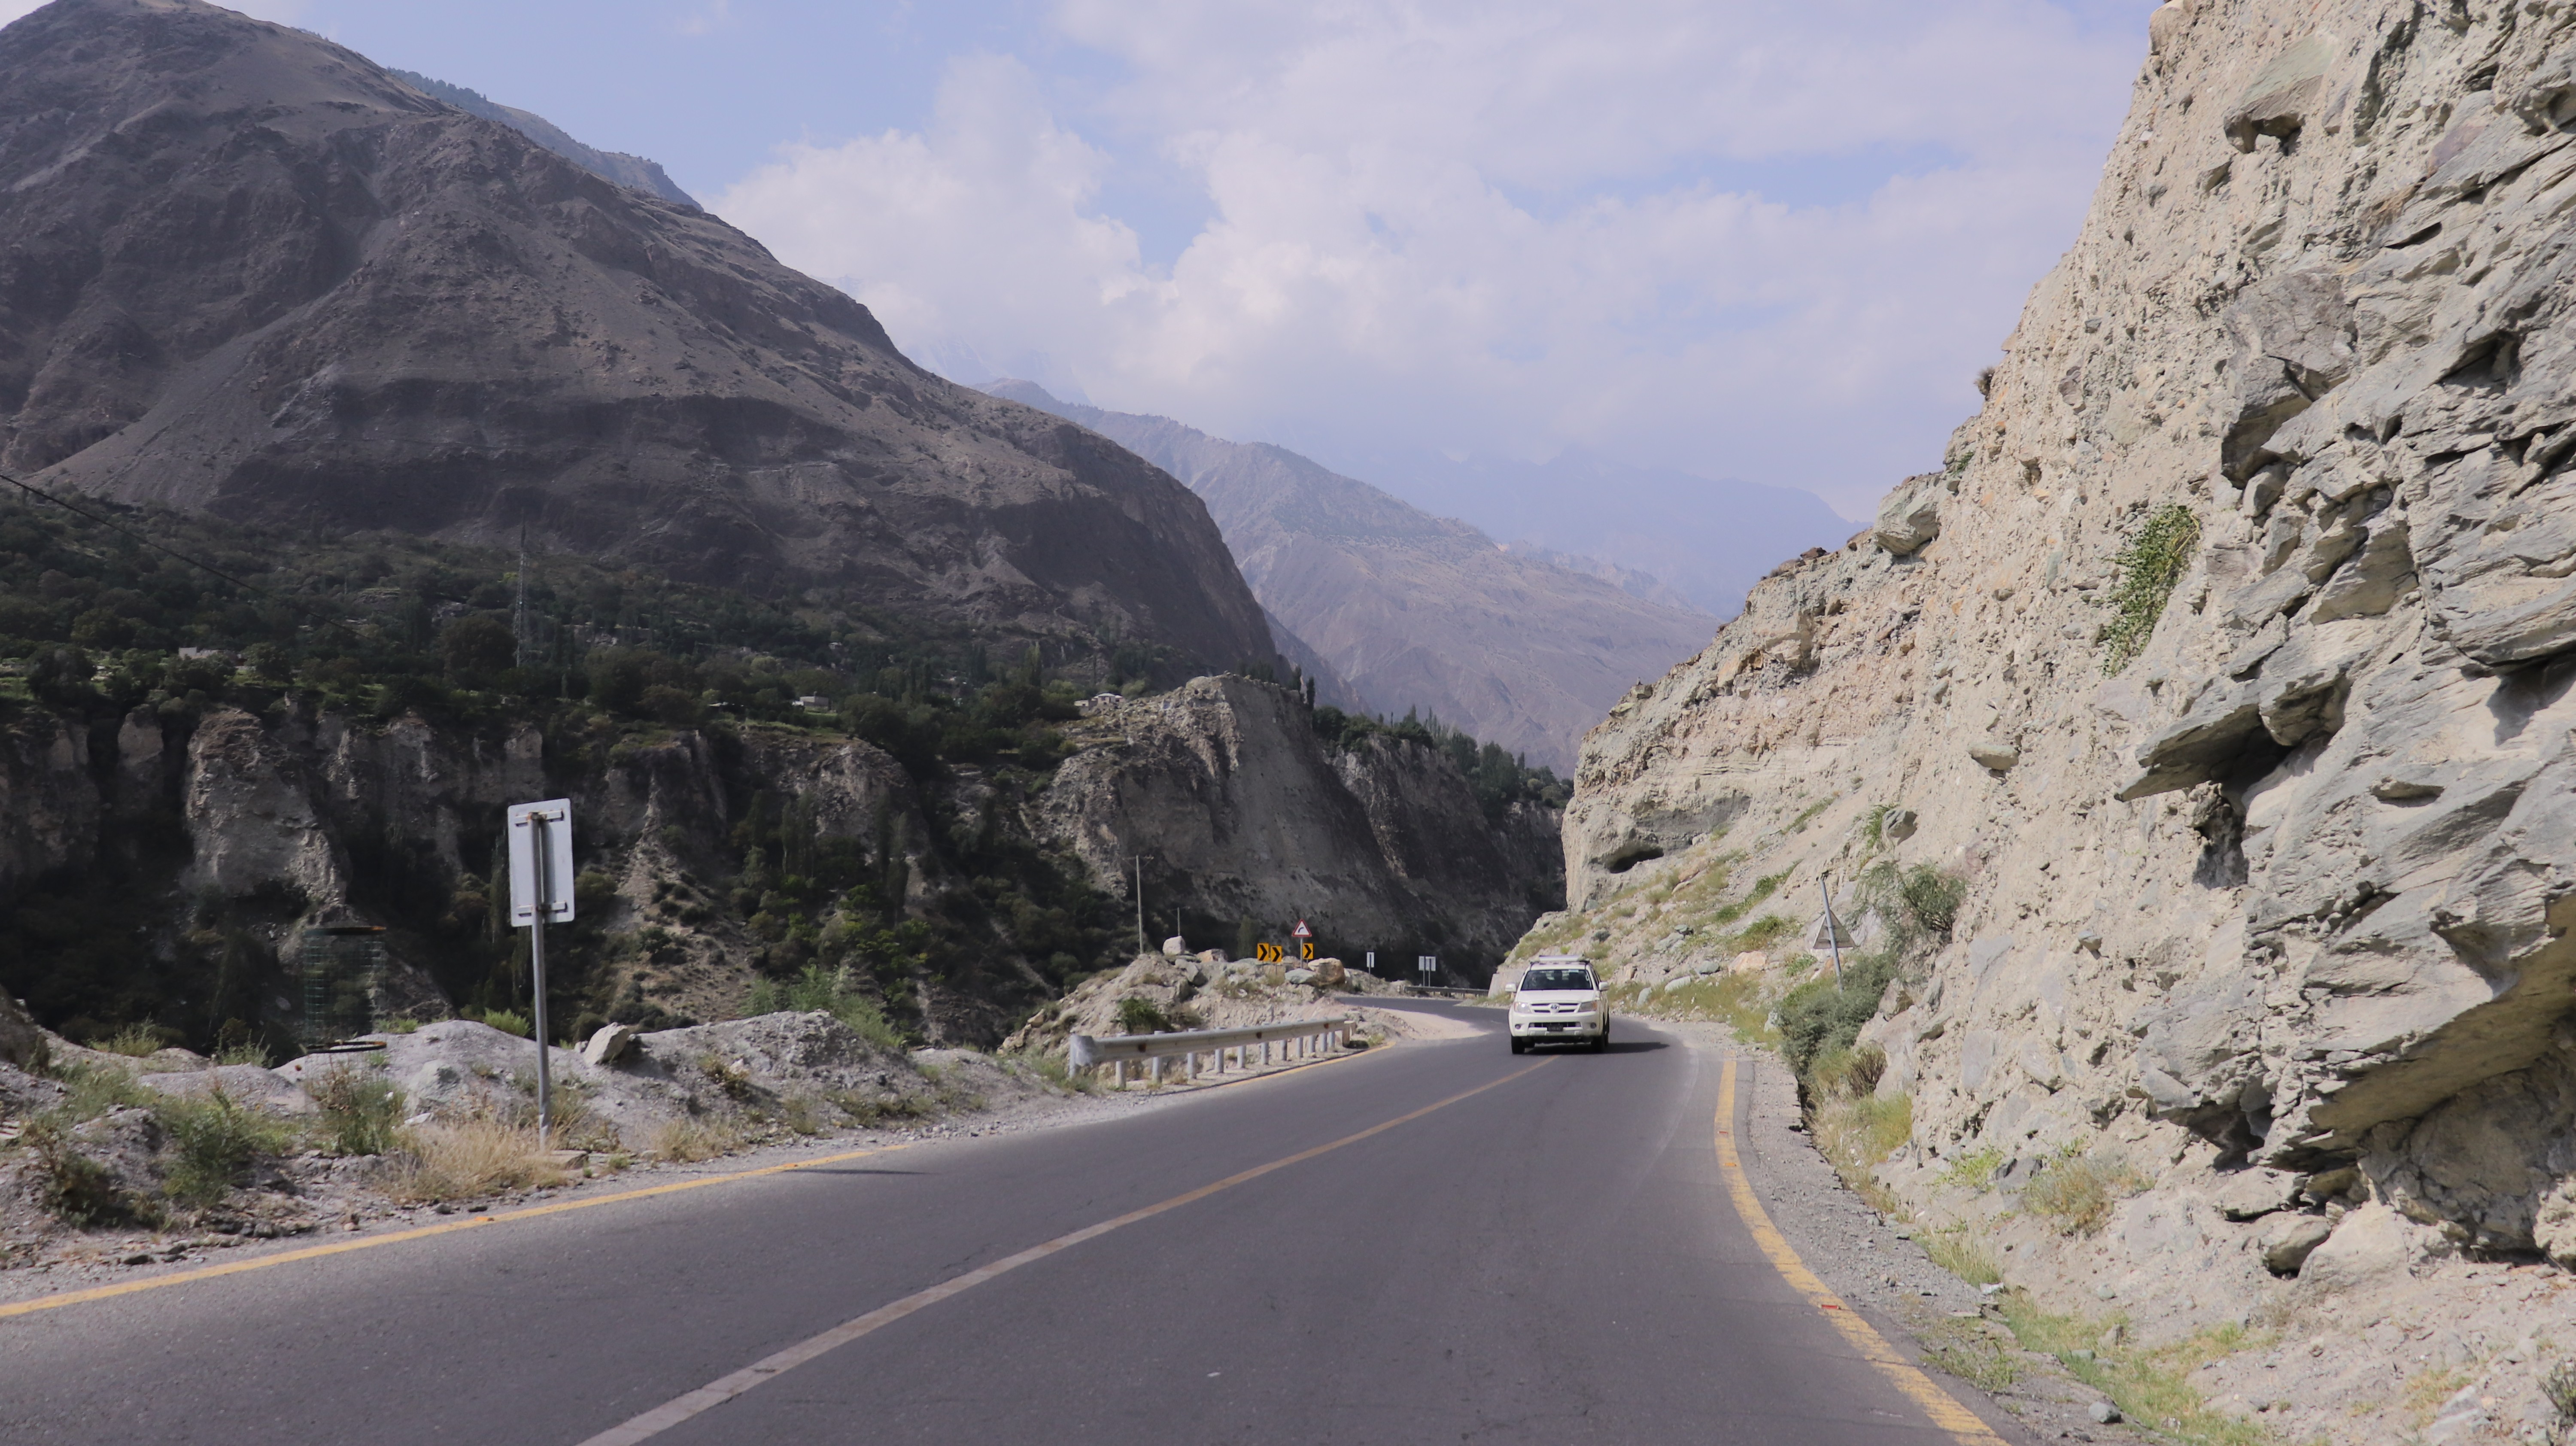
(1770, 239)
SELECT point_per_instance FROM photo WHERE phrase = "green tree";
(476, 648)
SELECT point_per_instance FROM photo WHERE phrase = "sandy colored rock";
(2369, 1246)
(244, 1084)
(613, 1043)
(21, 1041)
(2288, 1240)
(2280, 883)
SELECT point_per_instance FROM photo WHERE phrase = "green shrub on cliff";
(2147, 568)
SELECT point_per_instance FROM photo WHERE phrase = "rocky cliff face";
(157, 868)
(1409, 610)
(189, 851)
(246, 271)
(1247, 818)
(2224, 662)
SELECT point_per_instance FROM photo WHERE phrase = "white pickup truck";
(1559, 998)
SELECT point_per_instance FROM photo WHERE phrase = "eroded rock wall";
(205, 832)
(2291, 888)
(1245, 815)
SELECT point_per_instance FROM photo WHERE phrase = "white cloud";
(706, 18)
(1499, 227)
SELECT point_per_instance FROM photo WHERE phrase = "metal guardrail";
(1302, 1036)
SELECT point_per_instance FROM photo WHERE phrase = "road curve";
(1550, 1255)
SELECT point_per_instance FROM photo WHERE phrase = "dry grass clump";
(2150, 1384)
(2078, 1191)
(1954, 1251)
(135, 1041)
(468, 1160)
(1853, 1126)
(688, 1141)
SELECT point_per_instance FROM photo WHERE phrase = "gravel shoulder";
(1880, 1266)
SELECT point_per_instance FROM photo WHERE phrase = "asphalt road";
(1550, 1259)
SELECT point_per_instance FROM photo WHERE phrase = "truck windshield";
(1556, 979)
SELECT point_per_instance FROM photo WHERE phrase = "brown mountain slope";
(1412, 610)
(246, 271)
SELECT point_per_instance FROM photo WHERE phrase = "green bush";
(508, 1021)
(77, 1189)
(362, 1111)
(1141, 1016)
(835, 992)
(134, 1040)
(2147, 569)
(213, 1142)
(1932, 897)
(1817, 1018)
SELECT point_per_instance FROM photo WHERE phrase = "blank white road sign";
(548, 889)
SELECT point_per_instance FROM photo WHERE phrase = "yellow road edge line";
(1946, 1413)
(683, 1409)
(316, 1252)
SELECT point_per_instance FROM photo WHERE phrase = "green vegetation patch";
(831, 991)
(362, 1111)
(2150, 1385)
(214, 1141)
(2145, 572)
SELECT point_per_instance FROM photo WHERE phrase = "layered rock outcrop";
(2226, 658)
(248, 272)
(1246, 816)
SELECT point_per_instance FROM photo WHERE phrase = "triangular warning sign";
(1301, 931)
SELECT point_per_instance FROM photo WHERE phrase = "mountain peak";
(626, 170)
(247, 271)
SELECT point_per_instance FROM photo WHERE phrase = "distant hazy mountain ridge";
(618, 166)
(1629, 580)
(1413, 611)
(1708, 540)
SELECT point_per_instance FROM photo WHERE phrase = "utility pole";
(1140, 902)
(519, 614)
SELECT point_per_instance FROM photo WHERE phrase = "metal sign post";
(541, 880)
(1426, 965)
(1833, 929)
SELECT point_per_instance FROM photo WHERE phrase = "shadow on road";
(1617, 1046)
(822, 1171)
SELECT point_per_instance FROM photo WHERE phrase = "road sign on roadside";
(1267, 953)
(541, 862)
(541, 881)
(1306, 949)
(1301, 931)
